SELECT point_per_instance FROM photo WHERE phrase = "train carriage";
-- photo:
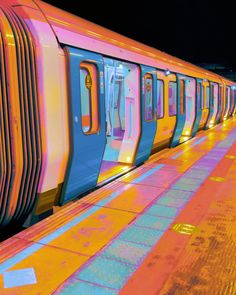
(81, 105)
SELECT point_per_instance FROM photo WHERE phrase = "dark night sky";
(197, 31)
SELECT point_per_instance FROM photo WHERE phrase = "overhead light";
(167, 72)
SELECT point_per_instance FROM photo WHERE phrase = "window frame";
(94, 112)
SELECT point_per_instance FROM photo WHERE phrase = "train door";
(232, 102)
(223, 103)
(234, 109)
(86, 122)
(122, 100)
(148, 113)
(198, 106)
(214, 104)
(205, 104)
(166, 109)
(220, 102)
(190, 108)
(185, 109)
(227, 102)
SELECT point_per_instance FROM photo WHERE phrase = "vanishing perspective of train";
(80, 105)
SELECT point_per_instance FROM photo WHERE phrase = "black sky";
(197, 31)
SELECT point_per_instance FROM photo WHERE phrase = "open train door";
(198, 106)
(86, 122)
(186, 109)
(122, 96)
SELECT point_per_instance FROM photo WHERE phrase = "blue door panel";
(148, 128)
(198, 109)
(180, 118)
(86, 150)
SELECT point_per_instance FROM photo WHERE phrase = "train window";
(148, 97)
(172, 94)
(182, 96)
(199, 95)
(160, 99)
(89, 98)
(207, 97)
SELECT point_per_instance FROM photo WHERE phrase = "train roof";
(76, 31)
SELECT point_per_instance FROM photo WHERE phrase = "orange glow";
(114, 171)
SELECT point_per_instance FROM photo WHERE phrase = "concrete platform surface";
(167, 227)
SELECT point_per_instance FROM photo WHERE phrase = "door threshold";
(116, 176)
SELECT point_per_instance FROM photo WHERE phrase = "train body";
(80, 104)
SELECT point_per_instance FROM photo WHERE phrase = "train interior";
(119, 77)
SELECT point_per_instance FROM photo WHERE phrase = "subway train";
(81, 105)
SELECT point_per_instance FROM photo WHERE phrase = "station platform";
(167, 227)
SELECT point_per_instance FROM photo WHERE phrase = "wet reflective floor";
(167, 227)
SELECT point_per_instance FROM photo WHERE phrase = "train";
(81, 105)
